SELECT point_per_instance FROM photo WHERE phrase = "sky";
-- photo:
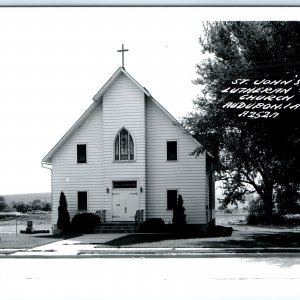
(54, 60)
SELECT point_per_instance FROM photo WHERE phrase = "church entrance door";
(124, 200)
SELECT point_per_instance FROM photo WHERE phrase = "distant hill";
(26, 198)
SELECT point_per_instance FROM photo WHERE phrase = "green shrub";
(37, 205)
(84, 223)
(224, 208)
(155, 225)
(288, 201)
(46, 206)
(63, 222)
(22, 207)
(257, 214)
(179, 216)
(3, 205)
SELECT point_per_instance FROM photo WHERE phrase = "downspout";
(47, 166)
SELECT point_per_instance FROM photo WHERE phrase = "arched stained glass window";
(124, 146)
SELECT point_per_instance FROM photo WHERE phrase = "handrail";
(139, 216)
(102, 215)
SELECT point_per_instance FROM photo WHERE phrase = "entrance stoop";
(116, 227)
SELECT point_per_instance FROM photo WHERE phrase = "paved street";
(83, 268)
(125, 278)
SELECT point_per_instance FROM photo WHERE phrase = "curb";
(152, 253)
(158, 255)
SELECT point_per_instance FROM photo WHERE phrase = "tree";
(63, 222)
(3, 204)
(251, 155)
(37, 205)
(46, 206)
(22, 207)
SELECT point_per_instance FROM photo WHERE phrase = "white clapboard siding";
(69, 176)
(123, 106)
(188, 174)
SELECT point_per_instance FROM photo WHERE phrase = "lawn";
(10, 238)
(243, 236)
(27, 241)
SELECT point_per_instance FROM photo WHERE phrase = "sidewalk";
(92, 245)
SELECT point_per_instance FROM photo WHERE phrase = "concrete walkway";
(70, 247)
(92, 245)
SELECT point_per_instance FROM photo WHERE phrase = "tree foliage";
(63, 222)
(260, 155)
(3, 204)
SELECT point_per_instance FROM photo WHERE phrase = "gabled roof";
(48, 157)
(112, 79)
(97, 99)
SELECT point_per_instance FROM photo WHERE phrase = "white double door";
(124, 204)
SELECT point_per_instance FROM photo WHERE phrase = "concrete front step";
(116, 227)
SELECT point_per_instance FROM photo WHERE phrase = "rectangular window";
(171, 150)
(82, 200)
(81, 154)
(171, 199)
(124, 184)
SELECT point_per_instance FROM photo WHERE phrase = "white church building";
(127, 156)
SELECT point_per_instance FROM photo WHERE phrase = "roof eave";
(176, 122)
(76, 125)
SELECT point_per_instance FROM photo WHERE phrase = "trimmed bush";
(155, 225)
(179, 216)
(63, 222)
(84, 223)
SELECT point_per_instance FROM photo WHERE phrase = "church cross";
(123, 50)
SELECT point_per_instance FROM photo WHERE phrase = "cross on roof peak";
(122, 50)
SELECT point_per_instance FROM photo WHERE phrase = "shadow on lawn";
(57, 236)
(140, 239)
(255, 240)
